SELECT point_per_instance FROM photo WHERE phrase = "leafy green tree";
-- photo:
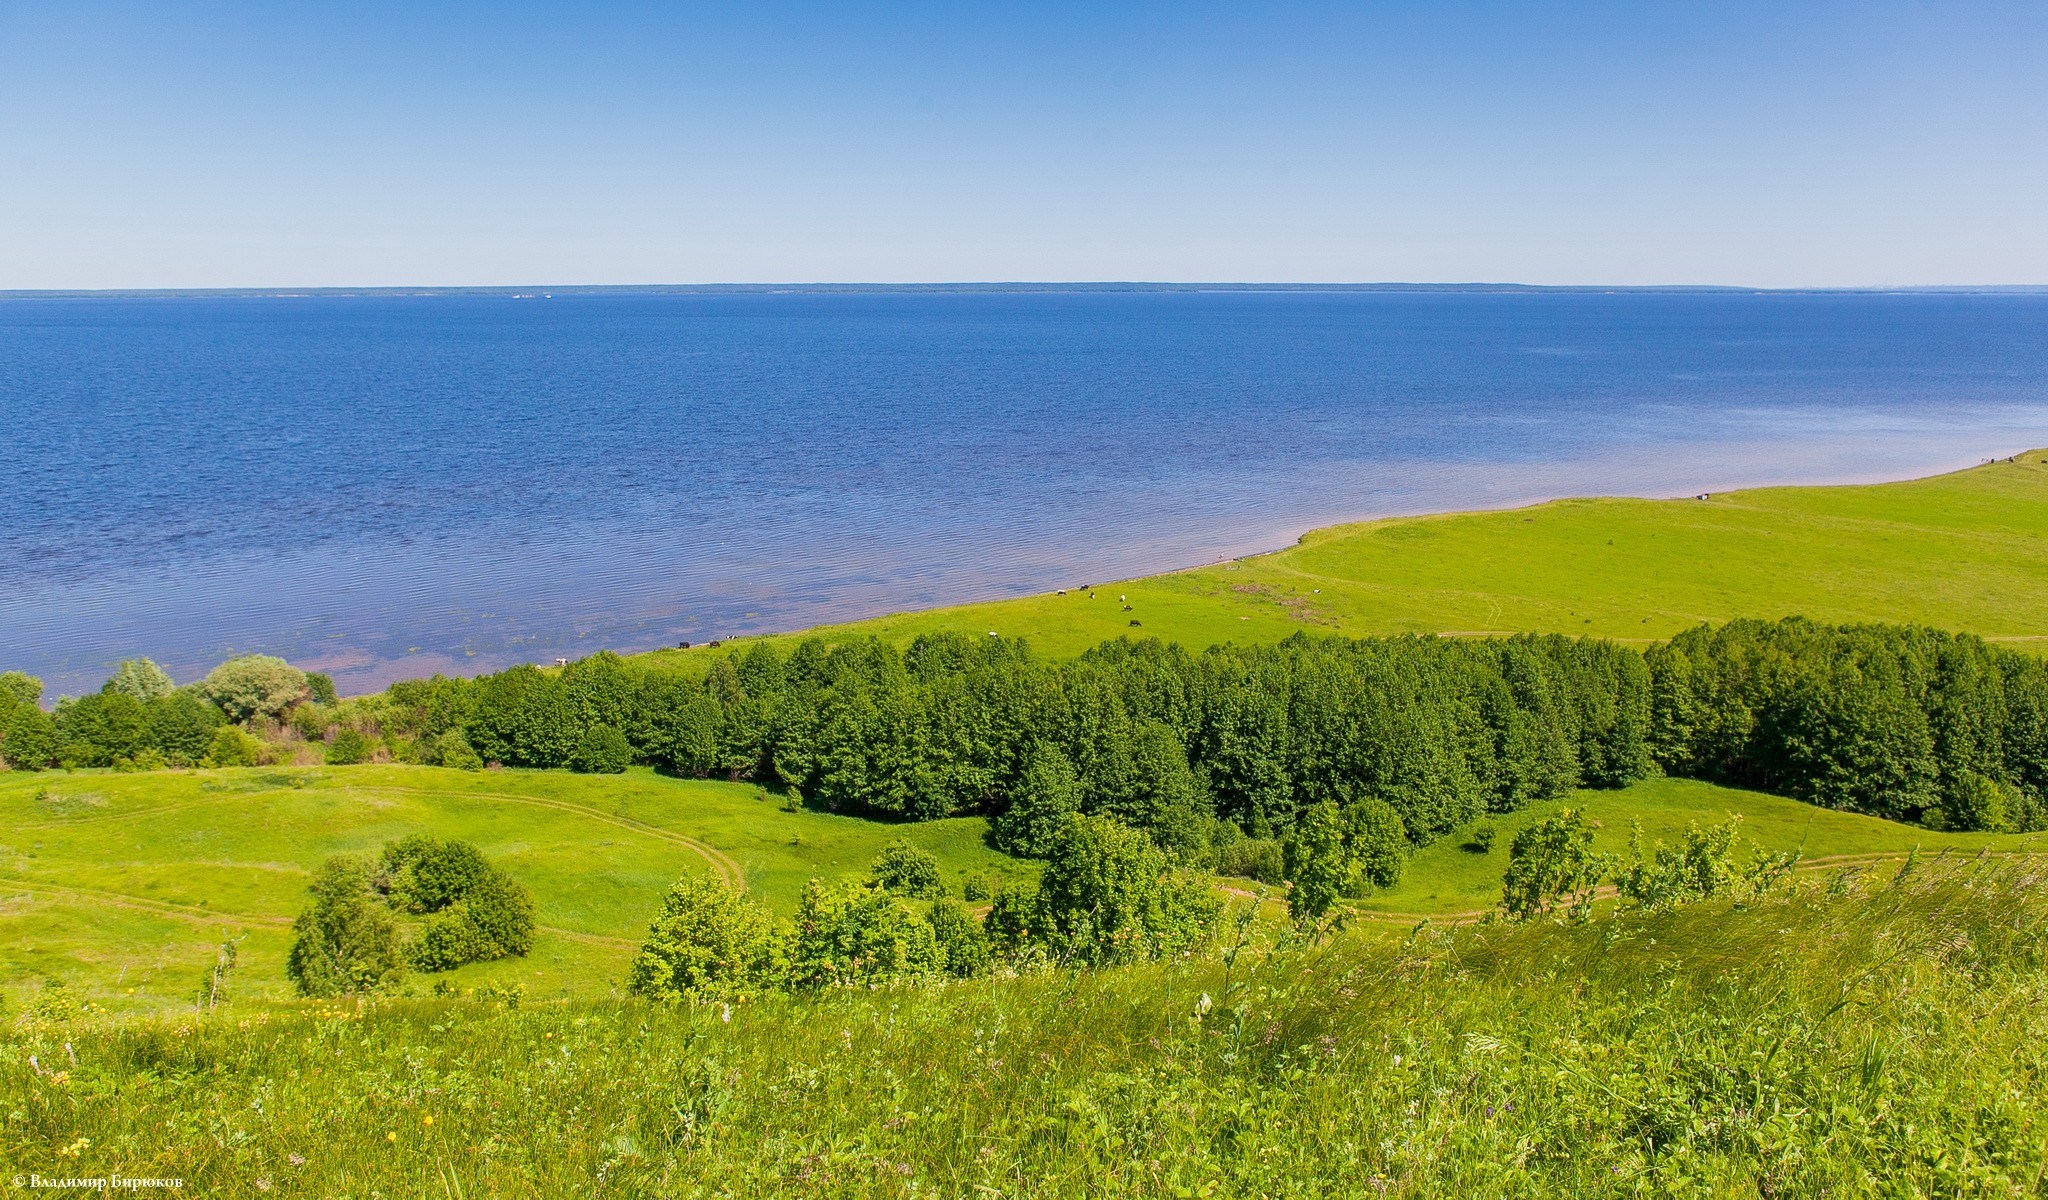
(1108, 896)
(140, 679)
(1551, 865)
(1854, 743)
(321, 687)
(98, 730)
(17, 688)
(1046, 798)
(1377, 841)
(708, 941)
(475, 912)
(604, 750)
(1319, 864)
(1974, 802)
(524, 717)
(349, 746)
(346, 942)
(30, 739)
(254, 686)
(856, 933)
(181, 725)
(908, 871)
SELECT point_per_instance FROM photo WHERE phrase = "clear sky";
(281, 143)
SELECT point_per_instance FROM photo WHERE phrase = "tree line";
(1223, 752)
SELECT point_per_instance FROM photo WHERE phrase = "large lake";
(384, 486)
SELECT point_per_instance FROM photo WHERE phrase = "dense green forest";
(1201, 750)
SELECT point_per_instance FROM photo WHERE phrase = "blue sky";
(274, 144)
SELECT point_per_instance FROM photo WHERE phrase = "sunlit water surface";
(388, 486)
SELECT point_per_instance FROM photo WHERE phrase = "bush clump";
(451, 749)
(906, 870)
(474, 912)
(1108, 895)
(349, 940)
(349, 746)
(232, 746)
(1261, 859)
(346, 943)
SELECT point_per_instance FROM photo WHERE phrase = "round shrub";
(451, 749)
(232, 747)
(423, 874)
(348, 746)
(906, 870)
(254, 685)
(475, 912)
(961, 938)
(856, 934)
(1252, 858)
(1108, 896)
(708, 941)
(1377, 840)
(501, 910)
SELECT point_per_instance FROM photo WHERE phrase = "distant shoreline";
(561, 291)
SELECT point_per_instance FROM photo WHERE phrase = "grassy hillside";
(118, 882)
(1965, 551)
(1452, 875)
(124, 885)
(1887, 1042)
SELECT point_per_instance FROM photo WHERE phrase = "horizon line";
(544, 290)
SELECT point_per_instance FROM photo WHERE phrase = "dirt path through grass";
(724, 865)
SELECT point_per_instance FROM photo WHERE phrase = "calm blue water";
(384, 486)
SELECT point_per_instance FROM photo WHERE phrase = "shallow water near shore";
(386, 486)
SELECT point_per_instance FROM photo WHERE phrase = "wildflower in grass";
(391, 1137)
(427, 1120)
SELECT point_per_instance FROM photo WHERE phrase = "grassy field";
(1883, 1041)
(1452, 875)
(1965, 551)
(124, 885)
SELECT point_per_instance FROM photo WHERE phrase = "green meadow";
(1879, 1036)
(1966, 551)
(124, 885)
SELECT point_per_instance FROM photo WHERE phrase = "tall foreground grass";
(1877, 1038)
